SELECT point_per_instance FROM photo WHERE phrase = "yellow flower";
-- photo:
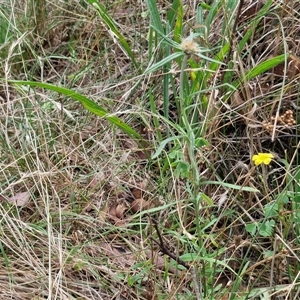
(262, 158)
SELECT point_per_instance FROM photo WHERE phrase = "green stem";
(190, 144)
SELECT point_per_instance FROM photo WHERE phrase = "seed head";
(189, 46)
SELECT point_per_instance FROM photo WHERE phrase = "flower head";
(189, 46)
(262, 158)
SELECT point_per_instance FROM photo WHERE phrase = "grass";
(126, 142)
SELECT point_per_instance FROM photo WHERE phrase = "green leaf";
(266, 229)
(261, 68)
(217, 62)
(110, 23)
(219, 57)
(271, 210)
(163, 145)
(167, 39)
(182, 169)
(163, 62)
(253, 26)
(266, 66)
(231, 186)
(178, 8)
(251, 228)
(86, 102)
(205, 6)
(297, 217)
(200, 142)
(207, 199)
(193, 257)
(297, 181)
(154, 15)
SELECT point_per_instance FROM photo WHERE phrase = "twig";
(163, 248)
(167, 252)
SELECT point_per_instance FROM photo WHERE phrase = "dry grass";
(82, 208)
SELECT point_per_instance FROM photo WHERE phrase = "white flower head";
(189, 46)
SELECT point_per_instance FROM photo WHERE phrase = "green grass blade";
(167, 39)
(163, 145)
(110, 23)
(179, 21)
(4, 27)
(166, 80)
(154, 15)
(163, 62)
(86, 102)
(297, 186)
(266, 65)
(219, 57)
(213, 10)
(262, 67)
(231, 186)
(263, 11)
(172, 14)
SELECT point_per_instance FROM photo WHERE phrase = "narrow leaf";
(231, 186)
(86, 102)
(163, 62)
(110, 23)
(154, 14)
(163, 145)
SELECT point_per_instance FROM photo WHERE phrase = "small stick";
(167, 252)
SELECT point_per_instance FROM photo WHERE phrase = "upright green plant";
(199, 63)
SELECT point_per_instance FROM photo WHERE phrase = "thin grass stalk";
(166, 68)
(195, 179)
